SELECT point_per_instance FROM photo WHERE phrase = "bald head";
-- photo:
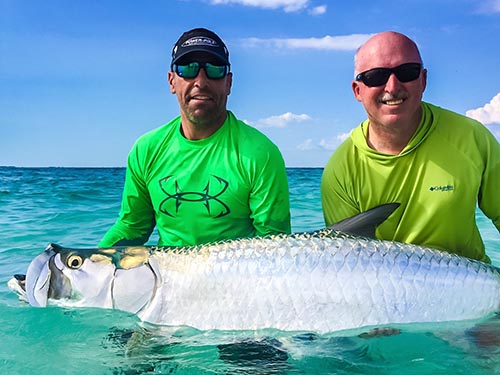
(386, 49)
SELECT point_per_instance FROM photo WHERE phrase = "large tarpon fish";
(322, 281)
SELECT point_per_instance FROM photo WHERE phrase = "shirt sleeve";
(336, 201)
(489, 199)
(136, 220)
(269, 199)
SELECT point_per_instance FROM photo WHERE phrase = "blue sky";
(81, 80)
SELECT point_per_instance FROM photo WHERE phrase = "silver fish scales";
(323, 281)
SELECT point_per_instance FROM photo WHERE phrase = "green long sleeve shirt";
(232, 184)
(450, 166)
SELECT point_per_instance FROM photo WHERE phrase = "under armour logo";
(175, 197)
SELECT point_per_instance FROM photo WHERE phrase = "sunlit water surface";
(75, 207)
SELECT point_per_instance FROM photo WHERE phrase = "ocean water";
(75, 207)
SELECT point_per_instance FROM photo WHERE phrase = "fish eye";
(74, 262)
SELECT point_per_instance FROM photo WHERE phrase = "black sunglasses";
(191, 70)
(379, 76)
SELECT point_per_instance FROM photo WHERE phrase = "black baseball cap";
(200, 40)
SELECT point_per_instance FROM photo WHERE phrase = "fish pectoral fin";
(365, 223)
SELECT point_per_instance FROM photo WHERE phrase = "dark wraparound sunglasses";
(191, 70)
(379, 76)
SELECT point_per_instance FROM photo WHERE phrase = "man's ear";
(356, 90)
(424, 79)
(171, 77)
(229, 83)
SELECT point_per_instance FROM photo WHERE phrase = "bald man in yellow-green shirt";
(439, 165)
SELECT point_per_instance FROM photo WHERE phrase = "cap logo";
(200, 41)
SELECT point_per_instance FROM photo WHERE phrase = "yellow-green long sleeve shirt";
(450, 166)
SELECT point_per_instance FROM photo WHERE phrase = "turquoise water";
(74, 207)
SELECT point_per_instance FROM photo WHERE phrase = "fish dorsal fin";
(365, 223)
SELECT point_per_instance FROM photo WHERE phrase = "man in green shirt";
(205, 176)
(437, 164)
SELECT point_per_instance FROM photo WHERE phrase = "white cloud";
(489, 6)
(340, 43)
(328, 144)
(317, 11)
(307, 145)
(287, 5)
(333, 143)
(324, 144)
(279, 121)
(342, 137)
(489, 114)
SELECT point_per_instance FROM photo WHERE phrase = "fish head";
(118, 278)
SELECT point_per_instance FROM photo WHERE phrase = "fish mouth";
(35, 287)
(37, 281)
